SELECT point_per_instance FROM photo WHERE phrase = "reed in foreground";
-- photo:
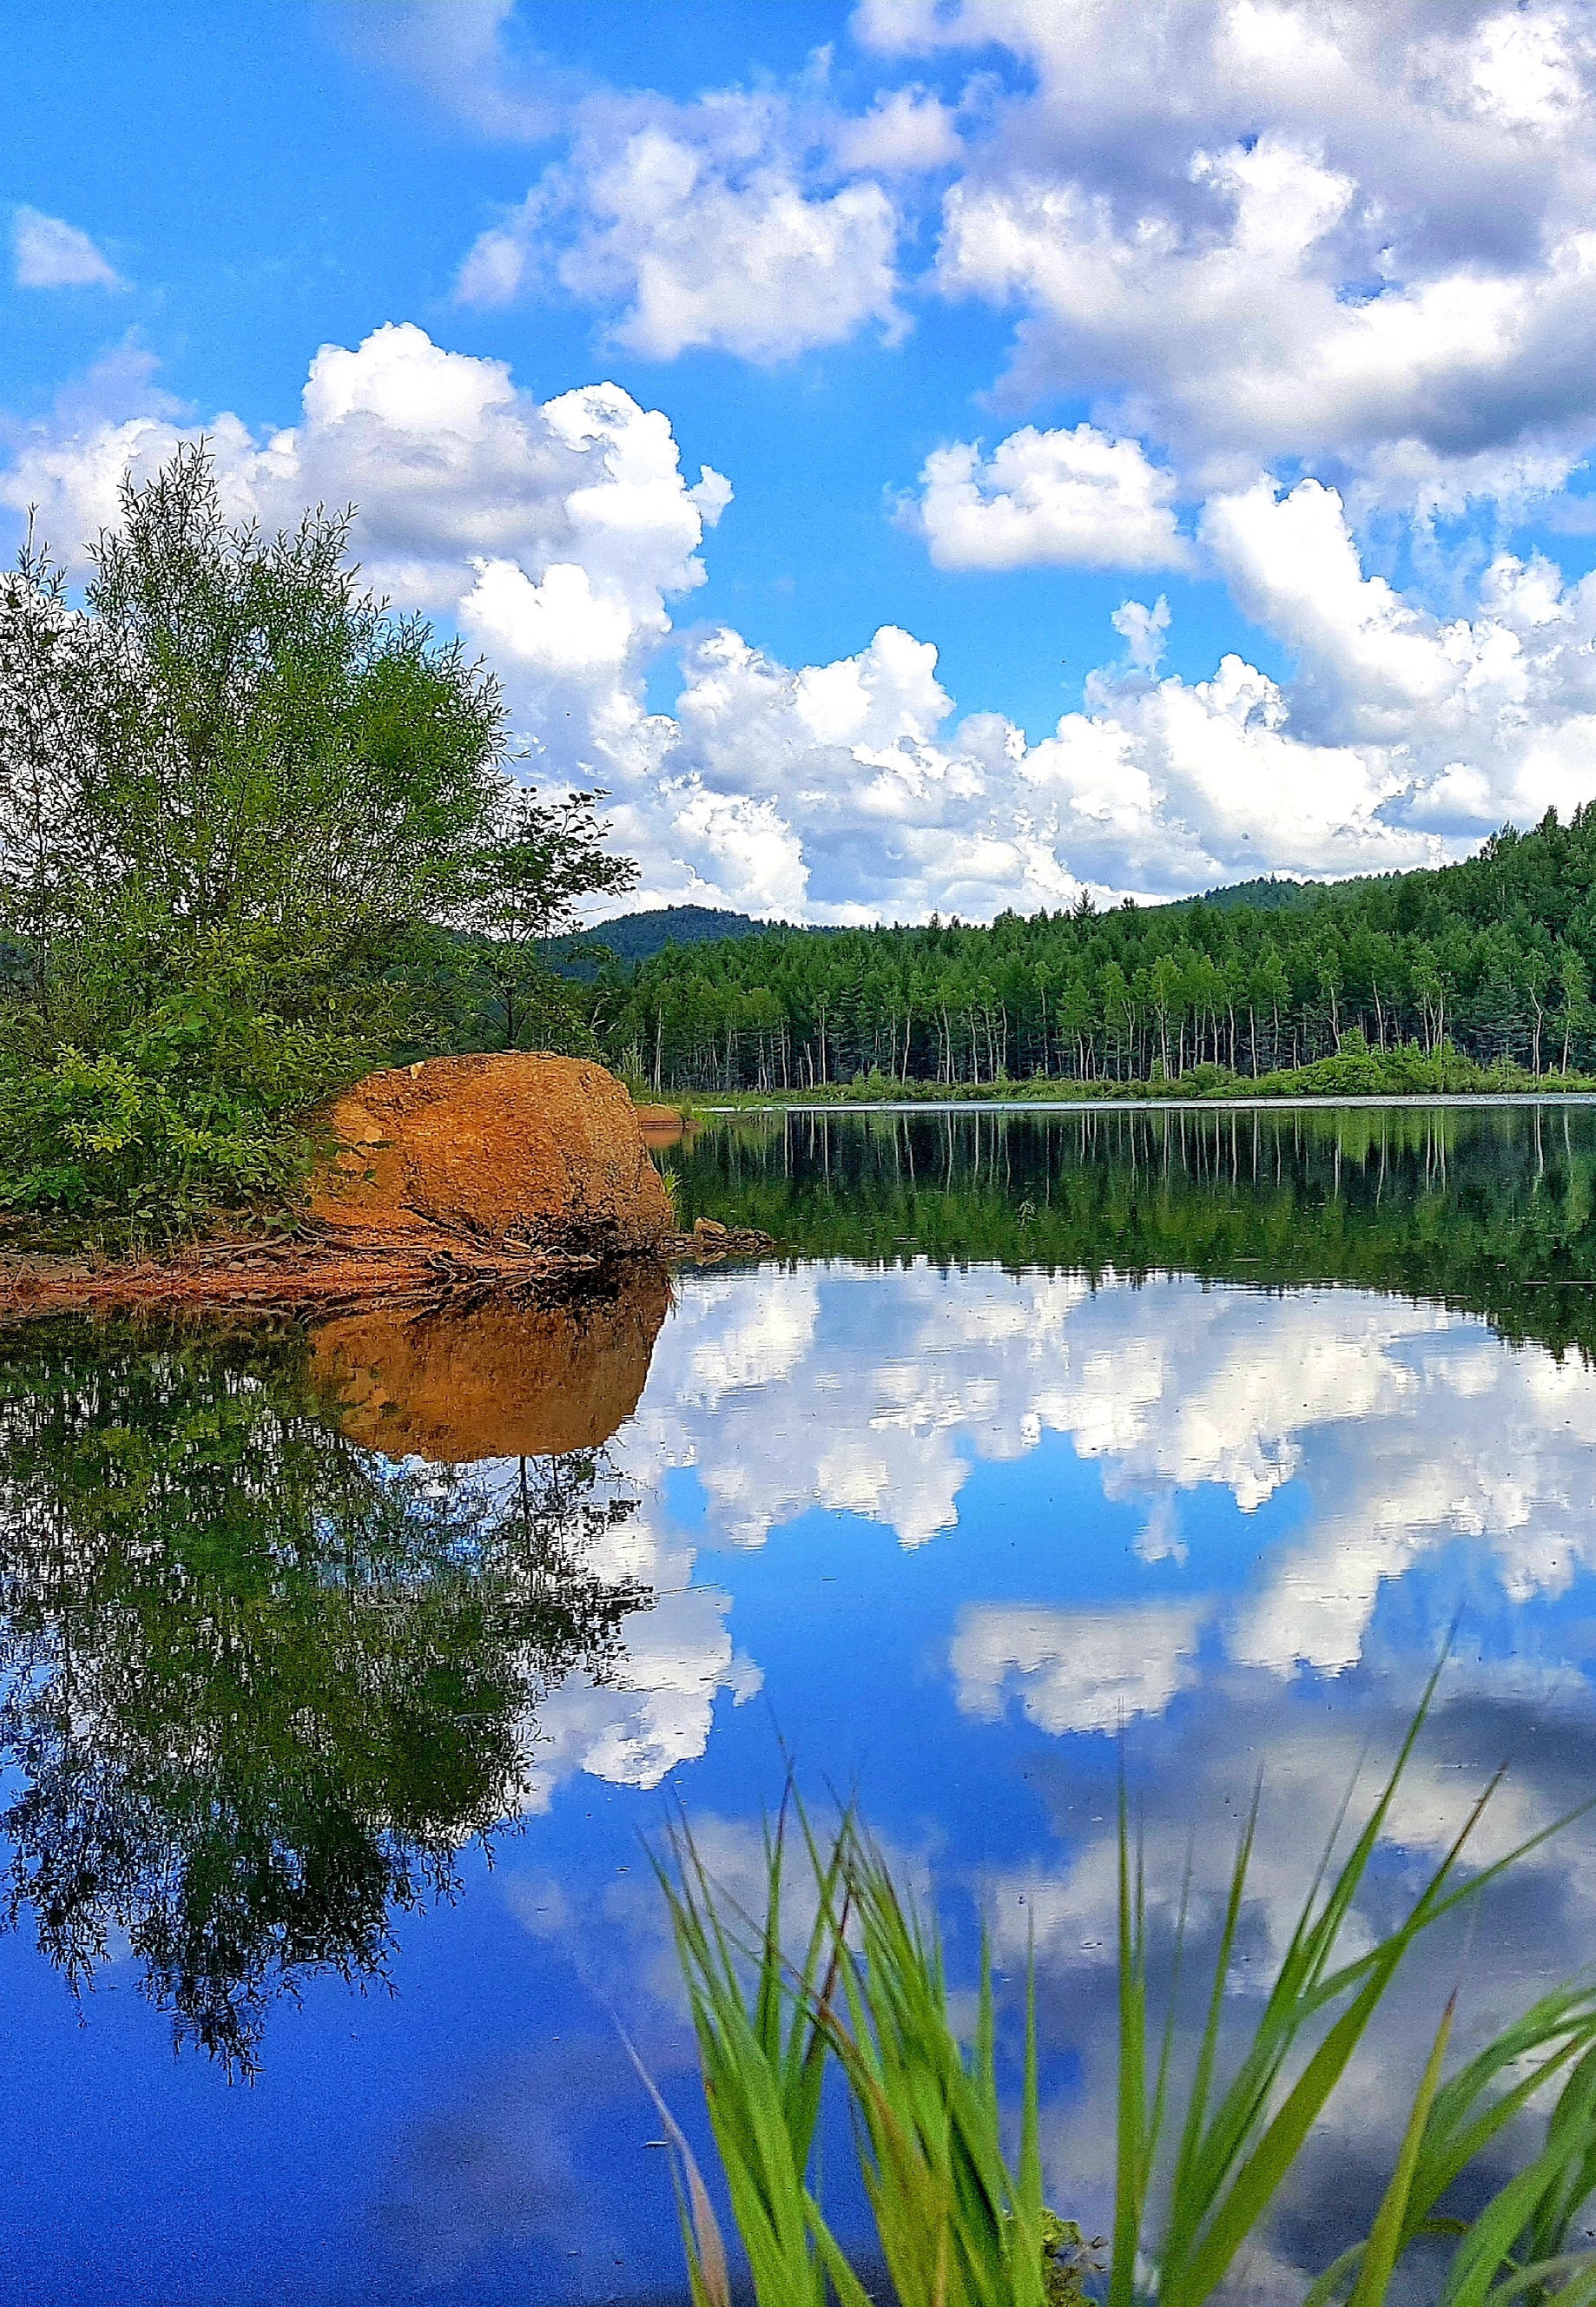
(1200, 2155)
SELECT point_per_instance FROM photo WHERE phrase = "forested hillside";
(638, 936)
(1492, 957)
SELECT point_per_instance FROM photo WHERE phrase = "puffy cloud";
(712, 225)
(891, 814)
(49, 253)
(1253, 231)
(1400, 738)
(1156, 786)
(561, 626)
(1144, 629)
(1247, 346)
(1498, 707)
(558, 536)
(1402, 1428)
(552, 533)
(902, 133)
(789, 1390)
(675, 1658)
(1077, 1669)
(1270, 230)
(1068, 498)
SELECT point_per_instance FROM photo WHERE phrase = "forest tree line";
(1493, 959)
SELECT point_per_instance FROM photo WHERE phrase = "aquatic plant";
(671, 1179)
(961, 2222)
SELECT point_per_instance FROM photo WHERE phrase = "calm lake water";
(347, 1672)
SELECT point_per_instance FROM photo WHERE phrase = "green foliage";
(958, 2221)
(867, 1990)
(537, 862)
(1489, 1210)
(1067, 2261)
(108, 1137)
(231, 788)
(1396, 979)
(635, 937)
(763, 2055)
(461, 990)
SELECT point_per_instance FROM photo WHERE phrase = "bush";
(97, 1138)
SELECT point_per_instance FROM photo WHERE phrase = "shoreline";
(1483, 1099)
(319, 1279)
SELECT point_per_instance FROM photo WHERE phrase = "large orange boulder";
(515, 1149)
(496, 1380)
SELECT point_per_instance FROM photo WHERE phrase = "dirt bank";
(309, 1275)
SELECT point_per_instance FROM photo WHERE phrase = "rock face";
(537, 1151)
(494, 1380)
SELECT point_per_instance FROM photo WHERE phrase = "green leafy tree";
(232, 787)
(1575, 978)
(529, 878)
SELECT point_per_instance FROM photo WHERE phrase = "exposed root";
(320, 1274)
(322, 1271)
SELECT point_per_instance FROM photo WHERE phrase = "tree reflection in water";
(261, 1682)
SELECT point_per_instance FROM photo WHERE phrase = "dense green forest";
(1492, 958)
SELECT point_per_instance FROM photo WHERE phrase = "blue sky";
(991, 317)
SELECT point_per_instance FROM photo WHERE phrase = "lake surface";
(346, 1673)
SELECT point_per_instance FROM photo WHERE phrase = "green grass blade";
(1130, 2127)
(1578, 2268)
(1326, 2286)
(849, 2290)
(1255, 2184)
(1298, 1991)
(1388, 2232)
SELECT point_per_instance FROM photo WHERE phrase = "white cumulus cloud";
(1403, 1429)
(1075, 498)
(552, 533)
(1076, 1669)
(711, 225)
(1267, 229)
(560, 536)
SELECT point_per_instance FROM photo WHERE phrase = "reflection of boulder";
(662, 1126)
(539, 1150)
(494, 1380)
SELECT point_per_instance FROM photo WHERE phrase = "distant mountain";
(632, 938)
(638, 937)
